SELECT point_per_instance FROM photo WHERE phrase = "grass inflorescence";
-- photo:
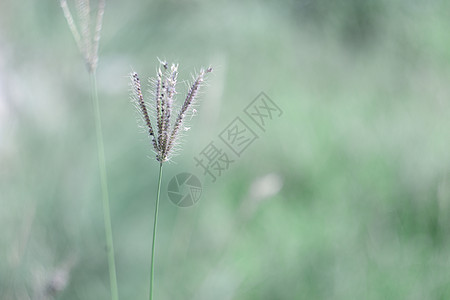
(164, 91)
(87, 37)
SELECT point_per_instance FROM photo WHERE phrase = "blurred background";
(346, 195)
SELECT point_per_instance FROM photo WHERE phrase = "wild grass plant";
(168, 131)
(87, 38)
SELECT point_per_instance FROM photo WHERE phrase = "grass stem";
(104, 187)
(155, 223)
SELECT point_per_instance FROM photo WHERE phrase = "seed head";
(164, 91)
(89, 39)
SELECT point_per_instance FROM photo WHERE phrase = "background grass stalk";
(155, 223)
(104, 187)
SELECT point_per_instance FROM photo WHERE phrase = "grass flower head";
(167, 131)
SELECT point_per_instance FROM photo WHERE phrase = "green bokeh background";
(362, 151)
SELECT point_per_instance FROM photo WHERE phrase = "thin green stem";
(104, 186)
(155, 223)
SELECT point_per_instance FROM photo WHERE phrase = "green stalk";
(155, 223)
(104, 186)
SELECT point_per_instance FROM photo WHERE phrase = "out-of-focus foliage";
(361, 151)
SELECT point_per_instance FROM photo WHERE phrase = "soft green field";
(362, 151)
